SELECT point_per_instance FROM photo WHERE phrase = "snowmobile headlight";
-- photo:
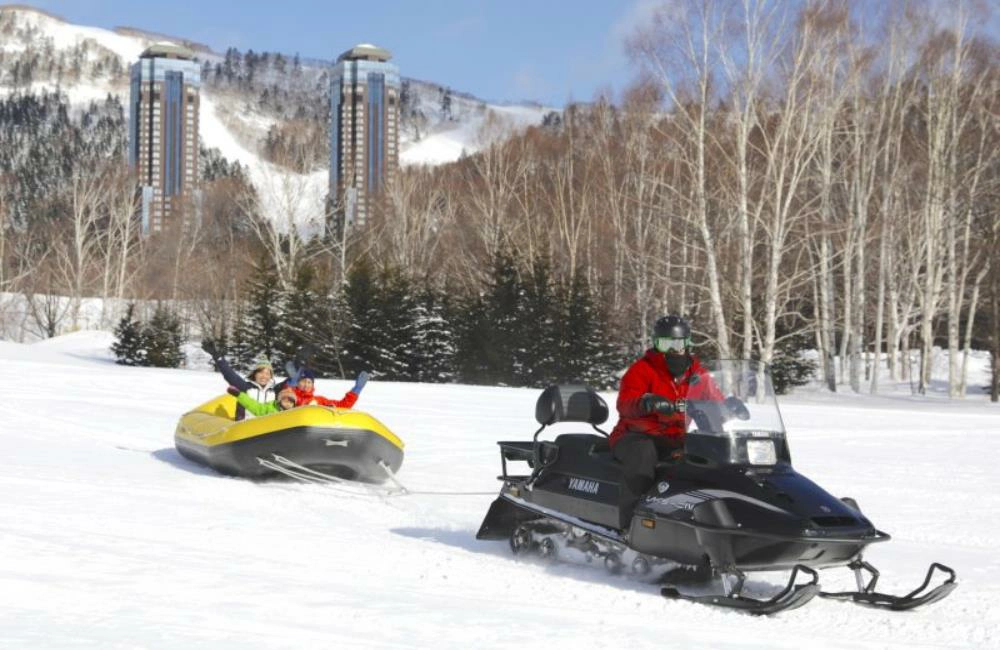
(760, 451)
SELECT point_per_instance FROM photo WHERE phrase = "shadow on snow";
(590, 573)
(171, 456)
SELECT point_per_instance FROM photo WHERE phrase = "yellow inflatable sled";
(339, 442)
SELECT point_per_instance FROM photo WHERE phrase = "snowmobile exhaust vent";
(830, 522)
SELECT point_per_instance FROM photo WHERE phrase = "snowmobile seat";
(557, 403)
(586, 455)
(600, 447)
(570, 403)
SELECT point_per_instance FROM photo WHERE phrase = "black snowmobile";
(730, 504)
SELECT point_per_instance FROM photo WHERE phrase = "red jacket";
(650, 375)
(302, 398)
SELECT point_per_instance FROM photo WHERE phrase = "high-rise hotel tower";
(163, 133)
(364, 131)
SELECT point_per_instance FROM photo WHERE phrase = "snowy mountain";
(39, 51)
(110, 539)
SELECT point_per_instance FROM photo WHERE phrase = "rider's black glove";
(736, 406)
(208, 345)
(651, 404)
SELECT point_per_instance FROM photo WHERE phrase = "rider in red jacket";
(305, 396)
(650, 378)
(651, 405)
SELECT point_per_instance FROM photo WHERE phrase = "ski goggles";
(671, 344)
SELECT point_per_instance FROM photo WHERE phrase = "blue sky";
(500, 50)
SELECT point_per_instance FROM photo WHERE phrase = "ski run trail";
(110, 539)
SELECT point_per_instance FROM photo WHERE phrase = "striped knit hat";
(260, 363)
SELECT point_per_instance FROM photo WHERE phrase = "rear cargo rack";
(516, 450)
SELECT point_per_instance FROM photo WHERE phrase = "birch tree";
(679, 47)
(76, 253)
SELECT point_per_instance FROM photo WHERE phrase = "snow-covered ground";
(110, 539)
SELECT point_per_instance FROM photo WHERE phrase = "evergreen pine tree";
(490, 325)
(163, 336)
(432, 358)
(789, 368)
(238, 347)
(395, 328)
(588, 353)
(470, 318)
(328, 332)
(505, 306)
(381, 331)
(539, 352)
(257, 329)
(129, 347)
(360, 342)
(302, 310)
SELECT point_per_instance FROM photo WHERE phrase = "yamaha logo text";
(582, 485)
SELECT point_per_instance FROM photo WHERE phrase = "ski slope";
(110, 539)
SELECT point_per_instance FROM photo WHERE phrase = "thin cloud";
(528, 83)
(612, 64)
(640, 14)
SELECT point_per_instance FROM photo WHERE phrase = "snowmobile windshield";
(732, 416)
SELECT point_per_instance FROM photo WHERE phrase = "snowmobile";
(728, 504)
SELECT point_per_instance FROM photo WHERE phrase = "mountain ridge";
(439, 124)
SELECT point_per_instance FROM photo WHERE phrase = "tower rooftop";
(166, 50)
(365, 52)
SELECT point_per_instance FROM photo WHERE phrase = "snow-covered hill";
(464, 126)
(433, 135)
(39, 51)
(110, 539)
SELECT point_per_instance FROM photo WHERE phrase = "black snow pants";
(638, 453)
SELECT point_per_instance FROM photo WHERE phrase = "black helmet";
(672, 333)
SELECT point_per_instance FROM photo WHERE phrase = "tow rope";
(308, 475)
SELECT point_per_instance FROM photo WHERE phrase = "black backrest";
(570, 403)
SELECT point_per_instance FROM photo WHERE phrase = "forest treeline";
(781, 175)
(790, 176)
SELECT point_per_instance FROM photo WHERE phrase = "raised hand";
(360, 382)
(208, 345)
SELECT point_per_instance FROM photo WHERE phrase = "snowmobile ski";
(791, 597)
(867, 596)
